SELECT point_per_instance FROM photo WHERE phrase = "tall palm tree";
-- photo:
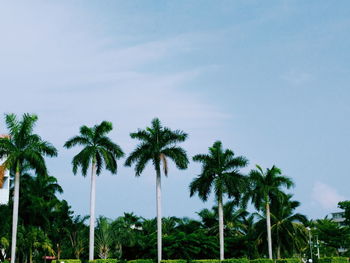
(265, 187)
(23, 148)
(99, 151)
(220, 171)
(157, 144)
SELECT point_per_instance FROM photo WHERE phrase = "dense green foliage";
(261, 260)
(108, 260)
(141, 261)
(289, 260)
(67, 261)
(334, 260)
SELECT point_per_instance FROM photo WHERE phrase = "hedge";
(66, 261)
(174, 261)
(236, 260)
(333, 260)
(108, 260)
(262, 260)
(141, 261)
(205, 261)
(289, 260)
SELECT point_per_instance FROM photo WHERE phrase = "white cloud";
(326, 196)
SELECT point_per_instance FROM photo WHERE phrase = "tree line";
(41, 224)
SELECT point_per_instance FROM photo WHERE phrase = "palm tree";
(220, 170)
(99, 150)
(23, 148)
(265, 187)
(157, 144)
(287, 228)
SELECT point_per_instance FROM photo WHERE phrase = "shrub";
(66, 261)
(108, 260)
(289, 260)
(262, 260)
(236, 260)
(333, 260)
(174, 261)
(205, 261)
(140, 261)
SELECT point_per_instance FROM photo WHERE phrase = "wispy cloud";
(326, 196)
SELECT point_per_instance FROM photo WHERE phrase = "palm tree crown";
(157, 143)
(220, 170)
(22, 146)
(266, 186)
(98, 149)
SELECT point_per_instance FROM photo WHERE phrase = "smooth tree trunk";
(92, 211)
(15, 216)
(268, 224)
(159, 217)
(278, 244)
(221, 227)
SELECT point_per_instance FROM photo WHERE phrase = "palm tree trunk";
(30, 255)
(268, 224)
(159, 217)
(278, 244)
(221, 227)
(92, 210)
(15, 216)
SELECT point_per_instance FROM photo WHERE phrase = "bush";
(333, 260)
(289, 260)
(108, 260)
(141, 261)
(262, 260)
(66, 261)
(205, 261)
(236, 260)
(174, 261)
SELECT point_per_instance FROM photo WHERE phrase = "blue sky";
(268, 78)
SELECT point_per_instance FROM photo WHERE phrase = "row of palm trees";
(157, 144)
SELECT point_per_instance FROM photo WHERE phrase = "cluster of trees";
(47, 226)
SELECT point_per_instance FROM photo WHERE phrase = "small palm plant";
(220, 172)
(23, 148)
(265, 187)
(158, 143)
(99, 151)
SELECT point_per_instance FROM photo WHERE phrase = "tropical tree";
(103, 237)
(287, 228)
(266, 187)
(157, 144)
(221, 172)
(20, 148)
(99, 151)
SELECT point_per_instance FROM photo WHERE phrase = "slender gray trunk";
(268, 224)
(15, 216)
(221, 227)
(92, 211)
(159, 217)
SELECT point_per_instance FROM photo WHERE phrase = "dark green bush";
(108, 260)
(333, 260)
(141, 261)
(66, 261)
(235, 260)
(262, 260)
(289, 260)
(174, 261)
